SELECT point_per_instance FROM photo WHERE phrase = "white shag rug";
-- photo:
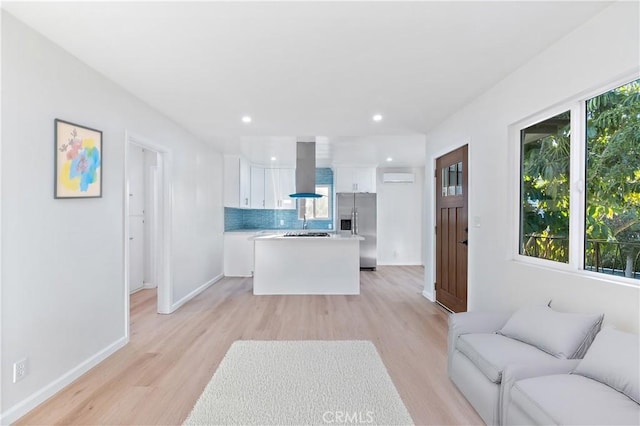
(300, 383)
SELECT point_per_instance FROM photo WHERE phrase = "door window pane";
(452, 180)
(544, 180)
(445, 181)
(612, 220)
(453, 177)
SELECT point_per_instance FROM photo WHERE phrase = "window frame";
(329, 208)
(577, 185)
(520, 159)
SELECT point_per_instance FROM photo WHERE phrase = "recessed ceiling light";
(389, 159)
(377, 117)
(273, 158)
(246, 119)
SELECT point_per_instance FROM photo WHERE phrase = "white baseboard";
(196, 292)
(148, 285)
(429, 295)
(37, 398)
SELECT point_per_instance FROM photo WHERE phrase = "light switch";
(476, 221)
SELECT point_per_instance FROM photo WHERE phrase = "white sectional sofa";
(603, 389)
(488, 350)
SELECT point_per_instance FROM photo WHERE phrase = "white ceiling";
(307, 68)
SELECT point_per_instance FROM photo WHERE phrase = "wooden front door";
(452, 230)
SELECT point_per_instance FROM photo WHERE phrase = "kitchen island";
(306, 264)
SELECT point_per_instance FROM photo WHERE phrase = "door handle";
(465, 242)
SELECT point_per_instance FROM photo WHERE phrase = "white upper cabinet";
(287, 187)
(279, 183)
(355, 179)
(254, 187)
(245, 184)
(257, 188)
(237, 182)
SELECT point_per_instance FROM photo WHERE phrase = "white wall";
(595, 54)
(62, 277)
(400, 213)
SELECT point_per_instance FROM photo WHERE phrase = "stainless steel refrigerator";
(357, 215)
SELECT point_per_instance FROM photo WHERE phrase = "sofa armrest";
(473, 322)
(514, 372)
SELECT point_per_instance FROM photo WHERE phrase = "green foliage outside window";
(545, 189)
(612, 222)
(612, 219)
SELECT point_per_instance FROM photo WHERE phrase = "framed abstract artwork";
(78, 161)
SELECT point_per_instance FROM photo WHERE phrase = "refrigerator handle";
(354, 227)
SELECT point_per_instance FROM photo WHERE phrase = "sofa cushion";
(570, 399)
(614, 359)
(563, 335)
(492, 352)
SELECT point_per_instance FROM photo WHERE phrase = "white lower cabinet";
(238, 254)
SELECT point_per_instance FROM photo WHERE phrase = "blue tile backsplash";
(237, 219)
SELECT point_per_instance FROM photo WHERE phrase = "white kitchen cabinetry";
(237, 182)
(257, 188)
(238, 254)
(279, 183)
(270, 188)
(355, 179)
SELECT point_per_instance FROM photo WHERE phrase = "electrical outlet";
(281, 222)
(19, 370)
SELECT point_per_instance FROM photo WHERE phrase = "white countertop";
(275, 231)
(332, 237)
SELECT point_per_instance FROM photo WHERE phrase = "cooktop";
(306, 234)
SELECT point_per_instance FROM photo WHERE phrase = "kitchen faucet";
(304, 221)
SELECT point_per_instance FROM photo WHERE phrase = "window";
(612, 219)
(316, 208)
(452, 180)
(544, 190)
(579, 198)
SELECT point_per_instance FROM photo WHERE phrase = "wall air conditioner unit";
(398, 178)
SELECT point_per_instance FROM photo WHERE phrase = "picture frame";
(77, 161)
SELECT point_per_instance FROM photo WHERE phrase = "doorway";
(147, 222)
(452, 229)
(143, 196)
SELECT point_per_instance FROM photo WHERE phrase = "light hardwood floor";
(159, 375)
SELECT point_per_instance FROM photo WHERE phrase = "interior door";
(452, 229)
(136, 217)
(136, 253)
